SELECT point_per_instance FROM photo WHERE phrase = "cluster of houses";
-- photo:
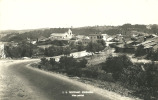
(76, 39)
(148, 42)
(119, 42)
(63, 35)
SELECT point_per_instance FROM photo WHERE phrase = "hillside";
(126, 29)
(46, 33)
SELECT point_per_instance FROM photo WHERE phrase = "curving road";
(18, 81)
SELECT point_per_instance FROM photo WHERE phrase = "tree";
(66, 51)
(147, 82)
(154, 29)
(52, 61)
(94, 47)
(60, 42)
(67, 63)
(72, 45)
(46, 52)
(71, 66)
(115, 65)
(80, 47)
(140, 51)
(44, 61)
(102, 42)
(7, 51)
(82, 63)
(23, 49)
(130, 75)
(153, 55)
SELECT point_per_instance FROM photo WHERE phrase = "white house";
(98, 36)
(62, 36)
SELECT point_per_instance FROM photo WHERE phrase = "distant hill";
(46, 33)
(19, 31)
(126, 29)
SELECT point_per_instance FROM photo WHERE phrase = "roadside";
(97, 86)
(116, 87)
(105, 85)
(93, 62)
(12, 86)
(19, 89)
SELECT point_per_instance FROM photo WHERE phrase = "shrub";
(74, 72)
(115, 65)
(43, 61)
(67, 62)
(130, 75)
(143, 77)
(60, 42)
(52, 61)
(140, 51)
(82, 63)
(94, 47)
(89, 73)
(105, 76)
(153, 55)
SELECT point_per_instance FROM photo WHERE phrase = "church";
(62, 36)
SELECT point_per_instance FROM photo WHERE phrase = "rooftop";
(57, 34)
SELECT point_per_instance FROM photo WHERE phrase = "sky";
(32, 14)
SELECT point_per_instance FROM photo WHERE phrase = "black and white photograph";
(78, 49)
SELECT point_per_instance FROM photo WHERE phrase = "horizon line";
(69, 27)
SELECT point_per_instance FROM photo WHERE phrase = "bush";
(23, 49)
(67, 62)
(131, 75)
(105, 76)
(60, 42)
(140, 51)
(82, 63)
(153, 55)
(94, 47)
(91, 72)
(43, 61)
(115, 65)
(143, 77)
(52, 61)
(74, 72)
(80, 47)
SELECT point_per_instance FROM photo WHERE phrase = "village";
(120, 59)
(78, 50)
(120, 43)
(137, 45)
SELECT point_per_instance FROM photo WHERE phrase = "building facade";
(61, 36)
(97, 36)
